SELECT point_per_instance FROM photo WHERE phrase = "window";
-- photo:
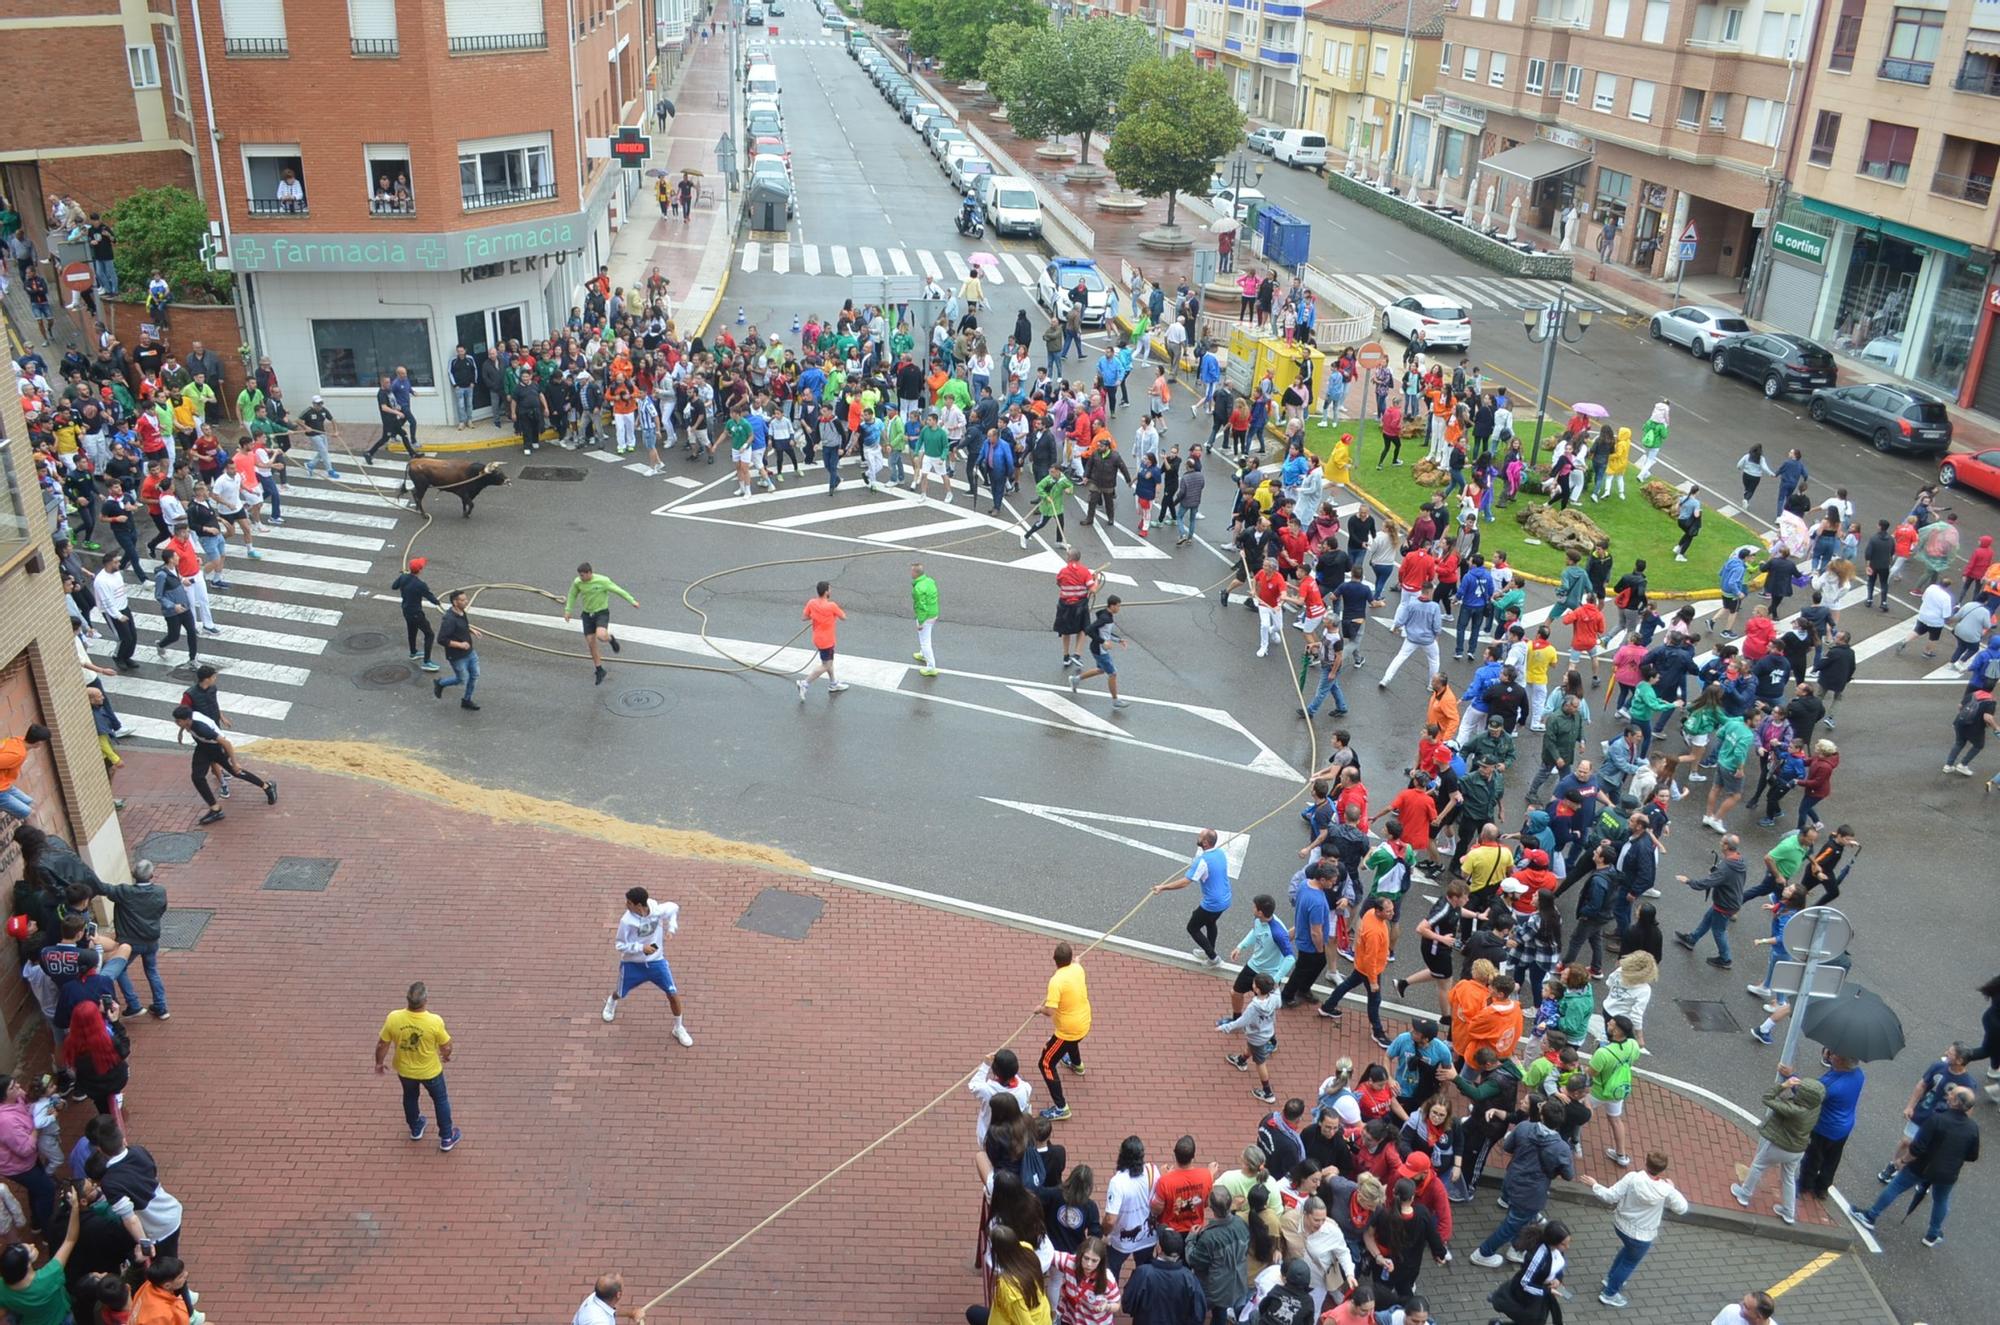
(1913, 45)
(388, 180)
(1718, 111)
(1763, 120)
(1479, 8)
(143, 64)
(1846, 36)
(1381, 61)
(477, 27)
(170, 36)
(1469, 71)
(1641, 107)
(275, 180)
(1979, 72)
(1826, 133)
(498, 172)
(1538, 76)
(1346, 59)
(1506, 11)
(1616, 14)
(1732, 26)
(1605, 95)
(371, 27)
(361, 351)
(1444, 59)
(1496, 73)
(1573, 85)
(253, 27)
(1887, 151)
(1613, 186)
(1689, 115)
(1778, 35)
(1655, 29)
(1965, 170)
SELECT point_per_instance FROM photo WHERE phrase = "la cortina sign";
(412, 253)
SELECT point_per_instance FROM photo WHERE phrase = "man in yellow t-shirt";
(422, 1047)
(1067, 1005)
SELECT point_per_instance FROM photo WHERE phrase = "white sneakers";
(611, 1008)
(681, 1034)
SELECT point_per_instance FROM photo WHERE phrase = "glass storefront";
(1945, 344)
(1876, 297)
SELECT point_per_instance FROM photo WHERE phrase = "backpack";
(1624, 597)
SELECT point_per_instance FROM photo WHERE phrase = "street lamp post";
(1546, 324)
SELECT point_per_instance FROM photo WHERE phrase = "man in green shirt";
(247, 401)
(201, 393)
(1733, 743)
(955, 390)
(1050, 494)
(934, 446)
(924, 606)
(738, 432)
(38, 1296)
(593, 593)
(1785, 863)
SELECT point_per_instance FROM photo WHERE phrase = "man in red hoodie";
(1532, 877)
(1430, 1191)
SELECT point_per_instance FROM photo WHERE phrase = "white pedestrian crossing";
(809, 259)
(958, 268)
(870, 264)
(1016, 266)
(1498, 294)
(900, 261)
(781, 258)
(928, 263)
(950, 265)
(752, 251)
(841, 266)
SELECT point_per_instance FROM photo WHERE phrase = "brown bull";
(464, 479)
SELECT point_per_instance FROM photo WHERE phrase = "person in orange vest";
(624, 412)
(1371, 959)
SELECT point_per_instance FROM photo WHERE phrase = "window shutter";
(253, 20)
(372, 20)
(499, 18)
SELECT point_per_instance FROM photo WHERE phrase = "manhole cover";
(1708, 1015)
(551, 474)
(301, 874)
(361, 641)
(170, 848)
(637, 703)
(384, 676)
(182, 927)
(781, 914)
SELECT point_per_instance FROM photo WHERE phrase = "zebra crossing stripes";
(944, 265)
(1490, 292)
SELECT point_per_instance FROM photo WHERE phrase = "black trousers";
(1053, 1053)
(1306, 969)
(128, 638)
(1822, 1160)
(176, 623)
(161, 534)
(206, 760)
(421, 625)
(1201, 928)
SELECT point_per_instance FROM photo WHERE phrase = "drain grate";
(361, 641)
(637, 703)
(170, 848)
(1708, 1015)
(182, 927)
(301, 874)
(781, 914)
(551, 474)
(383, 676)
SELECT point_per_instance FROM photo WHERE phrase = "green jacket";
(1646, 704)
(1051, 492)
(1702, 721)
(1573, 1011)
(594, 594)
(1486, 746)
(1792, 1115)
(1560, 736)
(1573, 588)
(1733, 741)
(924, 598)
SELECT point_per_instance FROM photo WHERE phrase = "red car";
(1978, 470)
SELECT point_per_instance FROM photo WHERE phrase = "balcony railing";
(278, 207)
(1907, 71)
(375, 48)
(1896, 172)
(269, 48)
(1986, 82)
(485, 42)
(508, 197)
(1966, 188)
(393, 207)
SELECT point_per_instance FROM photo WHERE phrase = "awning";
(1536, 161)
(1908, 233)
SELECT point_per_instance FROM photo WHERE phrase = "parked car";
(1060, 277)
(938, 134)
(770, 145)
(768, 105)
(1430, 320)
(1781, 362)
(966, 172)
(919, 107)
(763, 124)
(1236, 202)
(753, 15)
(1262, 140)
(1894, 418)
(1299, 147)
(954, 154)
(1011, 205)
(1698, 327)
(1979, 471)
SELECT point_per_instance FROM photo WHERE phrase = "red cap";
(19, 927)
(417, 564)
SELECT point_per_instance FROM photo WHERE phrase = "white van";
(1011, 205)
(1299, 147)
(762, 81)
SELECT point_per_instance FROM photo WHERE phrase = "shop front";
(1460, 126)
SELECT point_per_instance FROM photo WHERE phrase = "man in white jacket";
(641, 938)
(1642, 1200)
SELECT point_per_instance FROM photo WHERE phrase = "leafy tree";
(966, 27)
(1003, 45)
(161, 230)
(1067, 80)
(1174, 119)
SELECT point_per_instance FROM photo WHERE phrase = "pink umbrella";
(983, 260)
(1590, 411)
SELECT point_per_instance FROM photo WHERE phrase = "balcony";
(1895, 172)
(256, 48)
(1975, 189)
(278, 207)
(374, 48)
(486, 43)
(1982, 78)
(1906, 71)
(508, 197)
(393, 207)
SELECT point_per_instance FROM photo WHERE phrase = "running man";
(642, 955)
(1067, 1006)
(934, 443)
(924, 607)
(1075, 583)
(1051, 494)
(211, 750)
(825, 615)
(593, 592)
(1102, 632)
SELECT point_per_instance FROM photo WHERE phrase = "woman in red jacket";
(1818, 781)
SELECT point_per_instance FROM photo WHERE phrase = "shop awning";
(1536, 161)
(1866, 221)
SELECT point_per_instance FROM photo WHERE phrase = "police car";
(1057, 285)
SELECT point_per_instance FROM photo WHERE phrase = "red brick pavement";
(591, 1147)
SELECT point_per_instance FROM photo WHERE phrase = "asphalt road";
(922, 782)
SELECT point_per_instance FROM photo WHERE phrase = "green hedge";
(1500, 257)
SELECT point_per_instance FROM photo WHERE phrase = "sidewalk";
(822, 1018)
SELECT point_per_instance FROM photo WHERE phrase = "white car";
(1235, 202)
(1430, 320)
(1699, 327)
(954, 153)
(966, 172)
(1056, 286)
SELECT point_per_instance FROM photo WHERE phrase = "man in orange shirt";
(1586, 627)
(1371, 959)
(1464, 1001)
(1180, 1195)
(825, 615)
(13, 754)
(1497, 1026)
(1443, 706)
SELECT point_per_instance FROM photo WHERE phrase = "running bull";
(463, 479)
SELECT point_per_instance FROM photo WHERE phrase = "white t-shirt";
(635, 933)
(228, 493)
(1128, 1202)
(595, 1311)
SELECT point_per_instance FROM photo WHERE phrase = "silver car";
(1698, 327)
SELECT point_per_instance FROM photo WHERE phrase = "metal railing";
(507, 197)
(263, 47)
(393, 207)
(1896, 172)
(1986, 82)
(487, 42)
(377, 48)
(278, 207)
(1966, 188)
(1907, 71)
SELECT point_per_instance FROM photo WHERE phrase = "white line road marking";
(320, 538)
(278, 556)
(900, 261)
(160, 729)
(349, 519)
(329, 491)
(993, 275)
(1235, 846)
(781, 258)
(295, 612)
(929, 264)
(243, 636)
(236, 669)
(639, 468)
(604, 457)
(870, 263)
(1184, 590)
(958, 268)
(750, 256)
(169, 692)
(1468, 290)
(683, 481)
(1066, 709)
(1020, 270)
(841, 266)
(1885, 639)
(256, 579)
(961, 525)
(809, 258)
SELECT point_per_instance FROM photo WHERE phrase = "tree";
(1174, 119)
(1067, 80)
(1003, 46)
(965, 27)
(161, 230)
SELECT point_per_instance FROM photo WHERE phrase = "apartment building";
(1885, 247)
(1357, 65)
(1624, 122)
(1258, 44)
(399, 177)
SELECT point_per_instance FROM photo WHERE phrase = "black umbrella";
(1855, 1024)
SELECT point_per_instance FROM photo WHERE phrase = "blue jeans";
(149, 955)
(1471, 622)
(1630, 1252)
(1517, 1219)
(1329, 684)
(1806, 815)
(464, 671)
(1184, 520)
(269, 487)
(1717, 924)
(440, 1102)
(1905, 1179)
(16, 802)
(1382, 574)
(829, 455)
(461, 399)
(106, 273)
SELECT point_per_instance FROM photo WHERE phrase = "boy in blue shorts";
(642, 932)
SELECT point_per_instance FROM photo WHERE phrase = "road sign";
(885, 289)
(78, 276)
(1689, 236)
(1685, 251)
(1818, 933)
(1791, 978)
(631, 147)
(1371, 356)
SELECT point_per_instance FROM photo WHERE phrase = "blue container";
(1285, 239)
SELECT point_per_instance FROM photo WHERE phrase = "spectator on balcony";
(291, 196)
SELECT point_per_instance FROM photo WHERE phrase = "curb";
(1726, 1221)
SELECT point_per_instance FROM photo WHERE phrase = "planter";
(1167, 239)
(1055, 152)
(1126, 204)
(1086, 174)
(1444, 225)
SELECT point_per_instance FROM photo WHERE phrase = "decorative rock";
(1429, 474)
(1565, 531)
(1664, 497)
